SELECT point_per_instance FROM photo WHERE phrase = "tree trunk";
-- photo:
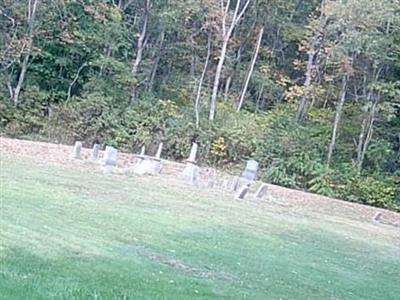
(139, 54)
(339, 109)
(213, 103)
(237, 61)
(307, 82)
(251, 69)
(368, 120)
(32, 8)
(74, 80)
(157, 61)
(201, 83)
(21, 77)
(368, 136)
(312, 52)
(226, 36)
(360, 143)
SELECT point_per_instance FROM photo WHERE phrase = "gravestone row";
(149, 165)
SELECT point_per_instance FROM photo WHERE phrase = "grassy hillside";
(68, 234)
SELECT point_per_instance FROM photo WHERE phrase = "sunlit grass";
(68, 234)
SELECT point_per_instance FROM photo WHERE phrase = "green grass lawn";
(68, 234)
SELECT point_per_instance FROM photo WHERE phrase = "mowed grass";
(68, 234)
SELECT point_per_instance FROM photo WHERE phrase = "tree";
(251, 68)
(33, 6)
(227, 29)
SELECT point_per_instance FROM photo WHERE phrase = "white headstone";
(142, 151)
(76, 152)
(250, 173)
(159, 150)
(95, 152)
(193, 153)
(191, 173)
(110, 156)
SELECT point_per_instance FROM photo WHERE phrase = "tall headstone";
(142, 151)
(193, 153)
(250, 173)
(95, 152)
(76, 152)
(110, 156)
(159, 151)
(192, 171)
(261, 191)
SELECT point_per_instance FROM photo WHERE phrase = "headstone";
(145, 166)
(250, 173)
(191, 173)
(376, 218)
(210, 177)
(234, 184)
(193, 153)
(95, 152)
(148, 165)
(76, 152)
(142, 151)
(110, 156)
(241, 194)
(261, 191)
(159, 151)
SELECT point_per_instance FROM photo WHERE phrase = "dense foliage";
(310, 89)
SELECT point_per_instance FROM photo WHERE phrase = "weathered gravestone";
(144, 167)
(234, 184)
(250, 173)
(142, 151)
(261, 191)
(210, 177)
(377, 217)
(241, 194)
(76, 152)
(95, 152)
(156, 161)
(140, 168)
(110, 156)
(149, 165)
(191, 171)
(159, 151)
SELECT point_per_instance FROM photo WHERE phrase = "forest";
(308, 88)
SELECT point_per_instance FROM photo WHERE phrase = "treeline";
(310, 89)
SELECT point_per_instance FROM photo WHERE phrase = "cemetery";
(97, 221)
(185, 149)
